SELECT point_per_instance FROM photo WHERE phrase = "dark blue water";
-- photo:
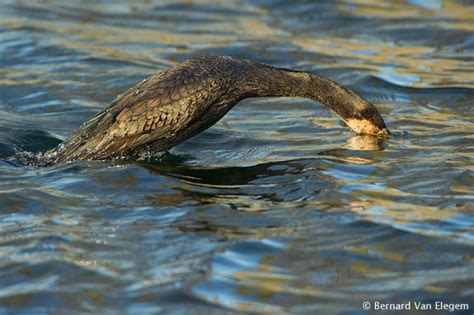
(279, 208)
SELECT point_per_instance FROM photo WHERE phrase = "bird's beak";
(384, 133)
(366, 127)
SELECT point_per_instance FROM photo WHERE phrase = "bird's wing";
(154, 109)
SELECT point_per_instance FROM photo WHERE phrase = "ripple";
(278, 208)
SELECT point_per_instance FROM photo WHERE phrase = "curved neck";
(289, 83)
(359, 114)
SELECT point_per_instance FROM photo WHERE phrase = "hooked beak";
(384, 133)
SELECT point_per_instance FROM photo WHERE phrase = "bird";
(178, 103)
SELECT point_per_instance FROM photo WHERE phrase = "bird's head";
(367, 121)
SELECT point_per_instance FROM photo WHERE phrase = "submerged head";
(366, 120)
(359, 114)
(367, 127)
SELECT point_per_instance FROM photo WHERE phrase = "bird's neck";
(287, 83)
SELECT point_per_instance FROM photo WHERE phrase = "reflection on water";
(278, 208)
(366, 143)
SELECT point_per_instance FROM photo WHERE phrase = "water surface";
(278, 208)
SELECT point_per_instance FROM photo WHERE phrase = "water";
(278, 208)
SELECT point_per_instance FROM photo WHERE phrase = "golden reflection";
(367, 269)
(377, 249)
(427, 63)
(266, 282)
(429, 70)
(429, 66)
(365, 143)
(459, 16)
(379, 207)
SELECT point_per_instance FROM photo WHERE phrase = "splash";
(27, 158)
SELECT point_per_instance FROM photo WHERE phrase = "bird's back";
(158, 112)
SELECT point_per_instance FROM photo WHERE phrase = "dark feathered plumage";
(178, 103)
